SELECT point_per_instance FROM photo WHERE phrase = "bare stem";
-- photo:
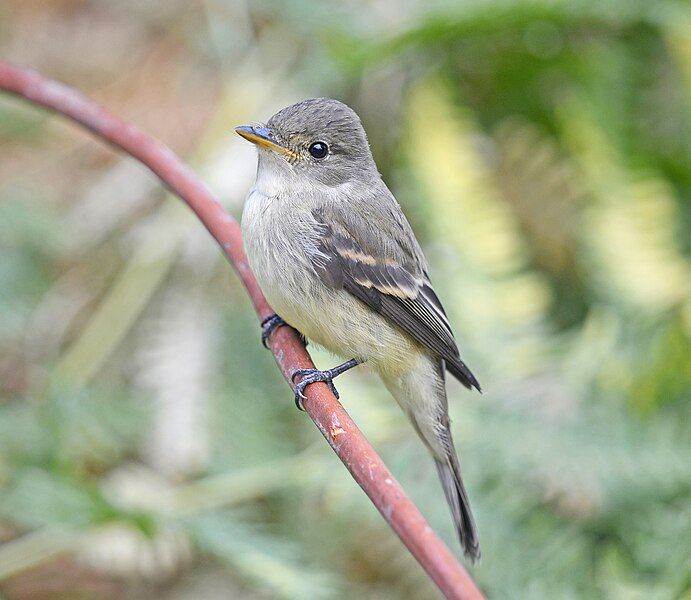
(333, 421)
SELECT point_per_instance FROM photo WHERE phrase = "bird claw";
(272, 322)
(268, 326)
(311, 376)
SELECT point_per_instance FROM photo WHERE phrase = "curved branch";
(333, 421)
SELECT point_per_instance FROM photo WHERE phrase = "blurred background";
(542, 152)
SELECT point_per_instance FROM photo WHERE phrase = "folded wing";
(386, 273)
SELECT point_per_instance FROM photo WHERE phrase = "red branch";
(333, 421)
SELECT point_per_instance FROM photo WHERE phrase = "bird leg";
(315, 375)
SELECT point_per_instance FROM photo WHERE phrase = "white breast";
(277, 234)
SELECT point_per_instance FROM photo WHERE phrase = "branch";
(333, 421)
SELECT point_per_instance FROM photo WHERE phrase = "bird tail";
(456, 496)
(421, 394)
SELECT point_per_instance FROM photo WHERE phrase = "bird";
(338, 261)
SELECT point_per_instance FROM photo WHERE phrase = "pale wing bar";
(393, 291)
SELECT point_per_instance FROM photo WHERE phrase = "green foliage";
(269, 563)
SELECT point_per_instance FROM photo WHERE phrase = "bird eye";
(319, 150)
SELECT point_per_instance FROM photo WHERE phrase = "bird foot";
(268, 326)
(311, 376)
(315, 375)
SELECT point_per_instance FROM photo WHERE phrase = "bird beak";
(264, 137)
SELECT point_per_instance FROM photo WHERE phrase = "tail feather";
(421, 394)
(450, 475)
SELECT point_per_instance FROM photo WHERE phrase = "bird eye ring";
(319, 150)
